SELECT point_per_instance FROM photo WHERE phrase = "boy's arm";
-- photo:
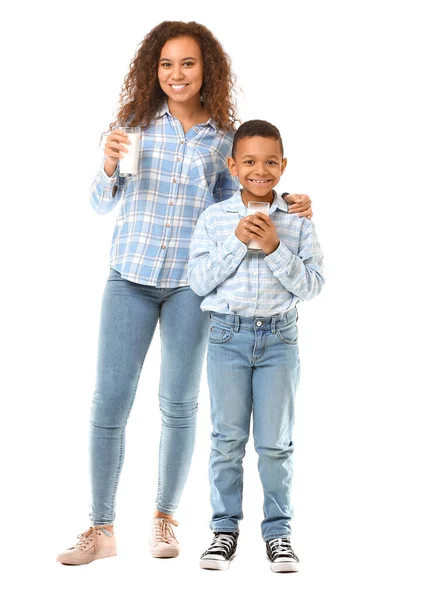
(301, 275)
(211, 263)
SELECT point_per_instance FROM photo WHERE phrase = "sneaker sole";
(76, 563)
(285, 567)
(215, 565)
(165, 553)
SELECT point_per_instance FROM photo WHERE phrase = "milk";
(129, 164)
(252, 208)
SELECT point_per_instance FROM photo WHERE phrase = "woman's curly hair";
(141, 95)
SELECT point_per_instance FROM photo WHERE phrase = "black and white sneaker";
(221, 551)
(281, 556)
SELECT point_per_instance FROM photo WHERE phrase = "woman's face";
(180, 69)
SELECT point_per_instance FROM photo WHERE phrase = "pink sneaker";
(95, 543)
(163, 543)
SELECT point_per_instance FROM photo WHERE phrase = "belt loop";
(273, 325)
(236, 323)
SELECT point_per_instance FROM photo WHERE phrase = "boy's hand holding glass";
(241, 231)
(260, 227)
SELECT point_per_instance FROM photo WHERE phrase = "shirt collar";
(164, 110)
(236, 204)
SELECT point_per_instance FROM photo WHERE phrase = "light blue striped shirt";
(235, 280)
(179, 176)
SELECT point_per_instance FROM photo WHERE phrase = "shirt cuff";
(279, 259)
(107, 182)
(235, 246)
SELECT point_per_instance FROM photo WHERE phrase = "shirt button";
(174, 180)
(168, 225)
(181, 142)
(196, 129)
(178, 158)
(171, 203)
(254, 273)
(163, 246)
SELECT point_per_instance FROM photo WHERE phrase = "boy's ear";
(231, 166)
(283, 165)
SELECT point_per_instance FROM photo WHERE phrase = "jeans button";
(258, 323)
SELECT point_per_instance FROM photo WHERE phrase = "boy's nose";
(260, 170)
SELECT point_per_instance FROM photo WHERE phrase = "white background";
(340, 80)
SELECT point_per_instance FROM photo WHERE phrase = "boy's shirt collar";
(164, 110)
(236, 204)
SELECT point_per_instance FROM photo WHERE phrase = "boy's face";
(258, 164)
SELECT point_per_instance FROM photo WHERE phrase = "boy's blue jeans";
(253, 369)
(130, 313)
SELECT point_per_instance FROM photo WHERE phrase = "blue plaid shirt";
(235, 280)
(179, 176)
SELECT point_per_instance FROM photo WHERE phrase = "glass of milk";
(252, 208)
(129, 164)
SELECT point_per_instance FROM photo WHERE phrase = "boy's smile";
(258, 164)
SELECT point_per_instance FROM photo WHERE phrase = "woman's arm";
(226, 186)
(107, 188)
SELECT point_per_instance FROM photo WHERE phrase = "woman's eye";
(188, 64)
(165, 64)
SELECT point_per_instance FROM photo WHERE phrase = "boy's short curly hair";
(257, 127)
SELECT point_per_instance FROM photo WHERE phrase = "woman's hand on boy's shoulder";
(299, 204)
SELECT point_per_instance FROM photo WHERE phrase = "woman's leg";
(184, 330)
(128, 319)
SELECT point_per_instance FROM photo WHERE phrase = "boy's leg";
(229, 378)
(275, 381)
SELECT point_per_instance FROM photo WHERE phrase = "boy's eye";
(272, 162)
(249, 162)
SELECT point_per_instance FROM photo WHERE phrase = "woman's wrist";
(109, 168)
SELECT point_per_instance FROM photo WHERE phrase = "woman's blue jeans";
(129, 316)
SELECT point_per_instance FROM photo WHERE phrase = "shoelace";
(84, 538)
(221, 544)
(163, 531)
(281, 548)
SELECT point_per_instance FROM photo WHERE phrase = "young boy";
(253, 362)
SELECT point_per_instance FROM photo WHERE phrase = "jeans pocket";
(287, 332)
(220, 334)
